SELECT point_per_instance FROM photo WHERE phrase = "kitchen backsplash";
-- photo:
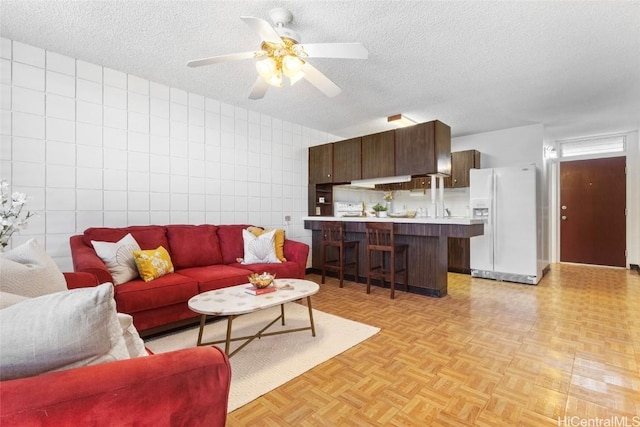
(455, 199)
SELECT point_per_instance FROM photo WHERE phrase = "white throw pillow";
(135, 345)
(259, 249)
(118, 257)
(29, 271)
(60, 331)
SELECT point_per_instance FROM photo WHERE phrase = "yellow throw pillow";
(153, 263)
(279, 240)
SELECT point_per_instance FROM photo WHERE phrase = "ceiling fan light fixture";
(270, 71)
(400, 120)
(292, 68)
(275, 79)
(291, 65)
(295, 79)
(266, 68)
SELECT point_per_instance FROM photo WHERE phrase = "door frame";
(554, 201)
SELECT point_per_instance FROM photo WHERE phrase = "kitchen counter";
(427, 239)
(418, 220)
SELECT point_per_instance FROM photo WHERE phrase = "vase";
(381, 214)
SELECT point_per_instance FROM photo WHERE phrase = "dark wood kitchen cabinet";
(321, 164)
(321, 199)
(378, 155)
(420, 183)
(347, 164)
(459, 250)
(461, 163)
(423, 149)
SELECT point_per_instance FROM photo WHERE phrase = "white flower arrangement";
(12, 217)
(388, 196)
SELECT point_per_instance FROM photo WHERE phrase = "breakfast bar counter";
(427, 239)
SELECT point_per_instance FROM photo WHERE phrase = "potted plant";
(380, 210)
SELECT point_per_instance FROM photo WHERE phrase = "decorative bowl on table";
(398, 214)
(261, 280)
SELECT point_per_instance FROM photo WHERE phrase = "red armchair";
(187, 387)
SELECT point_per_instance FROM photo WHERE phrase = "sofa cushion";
(153, 263)
(29, 271)
(147, 236)
(231, 242)
(194, 245)
(217, 276)
(59, 331)
(284, 269)
(138, 295)
(118, 257)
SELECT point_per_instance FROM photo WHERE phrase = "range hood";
(371, 183)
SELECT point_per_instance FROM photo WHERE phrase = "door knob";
(564, 217)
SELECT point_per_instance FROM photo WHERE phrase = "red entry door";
(593, 211)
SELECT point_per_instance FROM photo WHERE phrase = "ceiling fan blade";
(259, 89)
(262, 27)
(333, 50)
(220, 58)
(320, 81)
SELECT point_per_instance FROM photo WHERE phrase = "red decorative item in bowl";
(261, 280)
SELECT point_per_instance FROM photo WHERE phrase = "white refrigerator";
(506, 199)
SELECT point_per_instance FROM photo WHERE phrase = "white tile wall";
(95, 147)
(89, 71)
(114, 78)
(61, 64)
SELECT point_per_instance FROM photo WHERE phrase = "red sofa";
(187, 387)
(204, 258)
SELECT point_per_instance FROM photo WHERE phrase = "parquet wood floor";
(489, 354)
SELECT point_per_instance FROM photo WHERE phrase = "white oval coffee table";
(235, 301)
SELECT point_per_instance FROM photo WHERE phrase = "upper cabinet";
(321, 164)
(461, 162)
(378, 155)
(418, 150)
(423, 149)
(346, 160)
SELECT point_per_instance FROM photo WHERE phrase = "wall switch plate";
(287, 218)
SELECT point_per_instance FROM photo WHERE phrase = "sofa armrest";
(80, 280)
(297, 252)
(187, 387)
(86, 260)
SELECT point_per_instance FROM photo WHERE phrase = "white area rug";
(269, 362)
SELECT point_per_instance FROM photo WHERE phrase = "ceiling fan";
(282, 53)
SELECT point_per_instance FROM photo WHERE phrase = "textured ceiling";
(477, 66)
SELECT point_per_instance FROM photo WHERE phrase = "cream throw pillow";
(259, 249)
(60, 331)
(118, 257)
(28, 270)
(7, 299)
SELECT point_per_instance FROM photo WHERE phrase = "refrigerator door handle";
(494, 215)
(490, 218)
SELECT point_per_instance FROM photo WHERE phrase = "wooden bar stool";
(381, 239)
(333, 236)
